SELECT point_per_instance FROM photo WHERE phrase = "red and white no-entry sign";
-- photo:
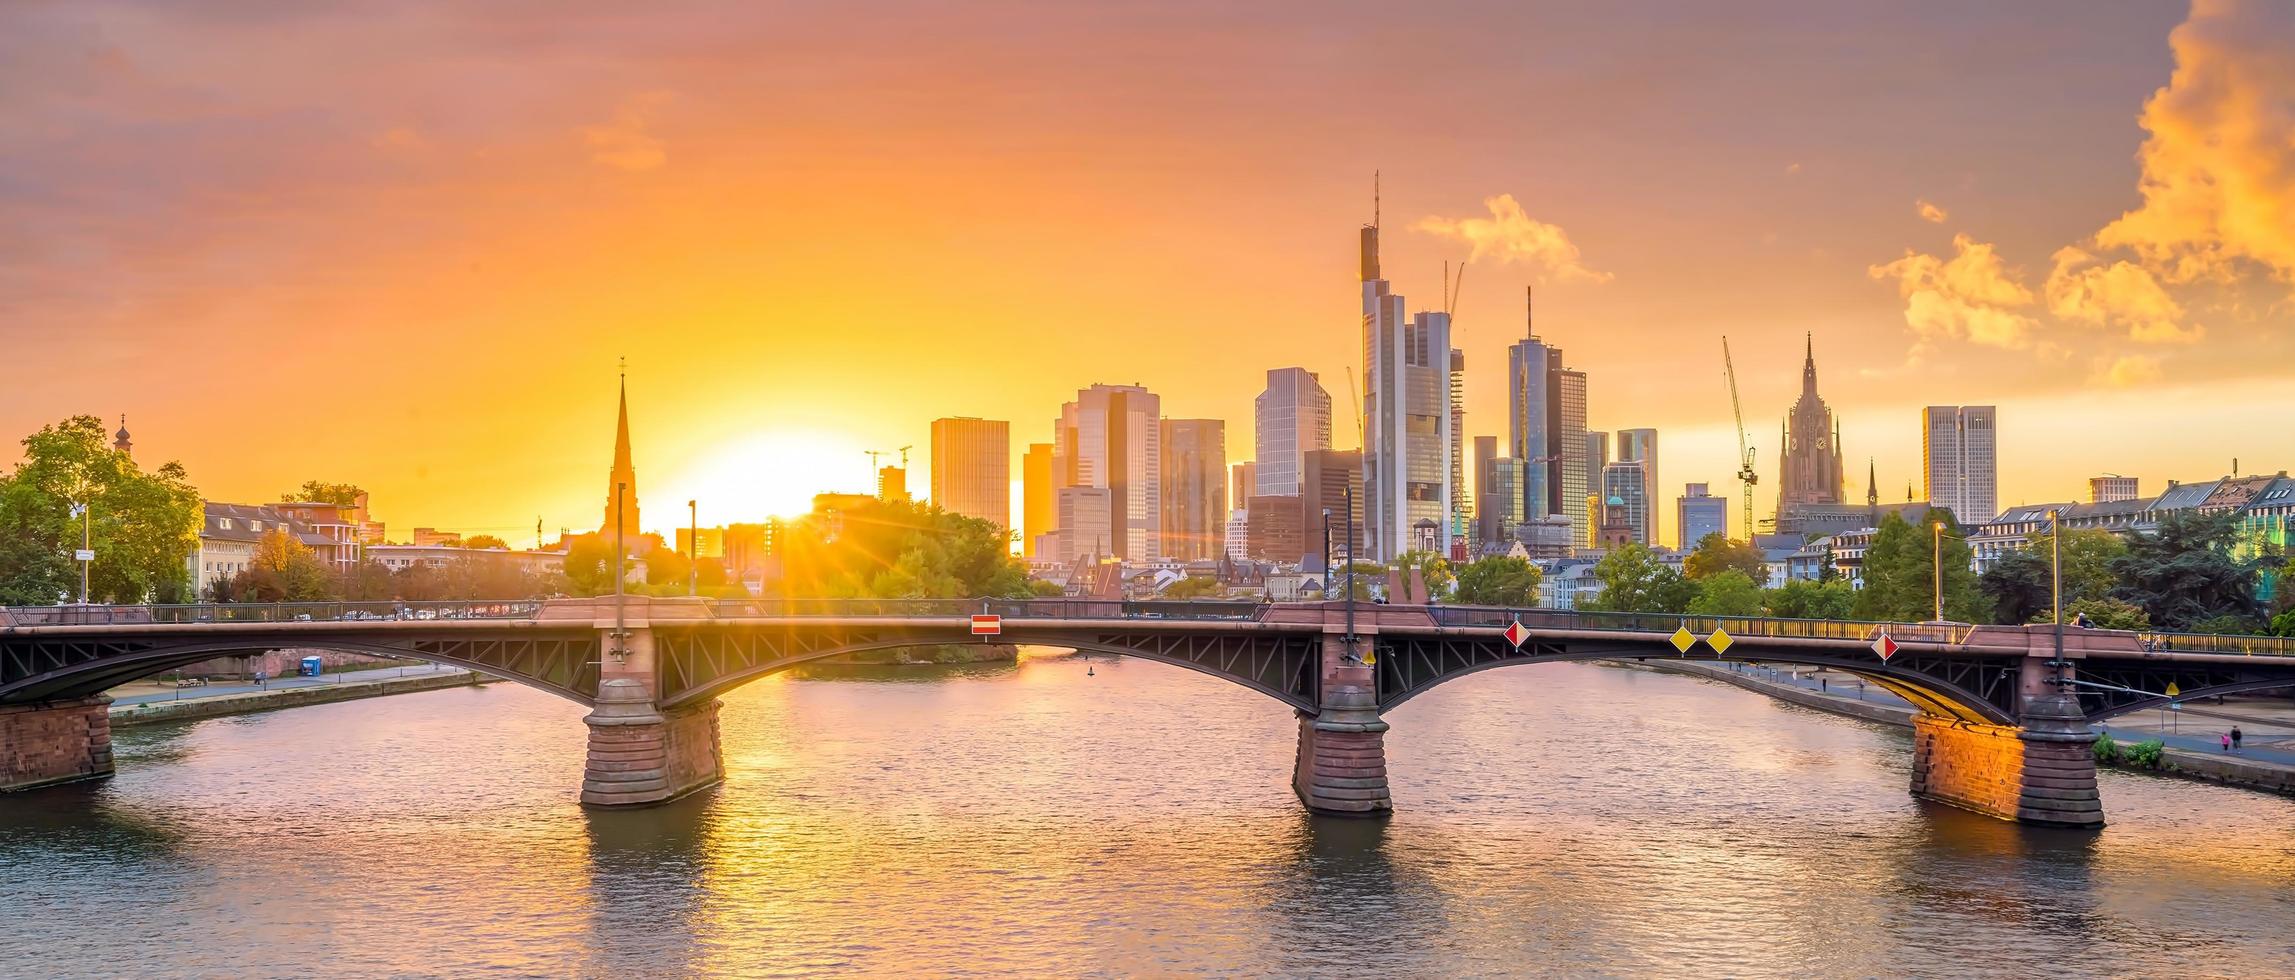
(1516, 634)
(1885, 646)
(986, 625)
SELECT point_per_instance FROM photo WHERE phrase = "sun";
(775, 475)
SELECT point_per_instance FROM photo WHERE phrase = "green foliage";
(2107, 750)
(1900, 565)
(899, 549)
(2184, 573)
(476, 541)
(1499, 580)
(2146, 754)
(1716, 553)
(1434, 569)
(140, 525)
(1728, 592)
(2283, 624)
(1193, 587)
(1045, 590)
(1633, 580)
(2018, 586)
(2230, 625)
(315, 491)
(1803, 599)
(282, 569)
(666, 566)
(2105, 614)
(2088, 556)
(589, 566)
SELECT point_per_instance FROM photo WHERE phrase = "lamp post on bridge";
(1327, 556)
(2056, 580)
(621, 627)
(692, 548)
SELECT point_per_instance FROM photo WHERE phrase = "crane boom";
(1745, 472)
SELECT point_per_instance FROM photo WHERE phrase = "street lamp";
(86, 554)
(1936, 564)
(1327, 556)
(692, 549)
(621, 628)
(2056, 579)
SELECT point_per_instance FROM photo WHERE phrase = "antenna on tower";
(1530, 309)
(1374, 198)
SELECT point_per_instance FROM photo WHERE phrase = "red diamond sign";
(1516, 634)
(1885, 646)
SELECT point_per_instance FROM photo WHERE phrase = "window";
(223, 523)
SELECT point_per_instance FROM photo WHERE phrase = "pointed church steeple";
(624, 475)
(1872, 484)
(1809, 366)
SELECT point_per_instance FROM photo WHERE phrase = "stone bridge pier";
(640, 753)
(1342, 766)
(53, 743)
(2041, 771)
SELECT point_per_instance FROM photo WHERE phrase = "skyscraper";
(1460, 503)
(1331, 474)
(1810, 465)
(1597, 450)
(1243, 484)
(1291, 418)
(1577, 475)
(1406, 439)
(1698, 513)
(1626, 487)
(621, 481)
(1640, 445)
(1960, 455)
(1037, 513)
(972, 468)
(1194, 488)
(1110, 438)
(1546, 429)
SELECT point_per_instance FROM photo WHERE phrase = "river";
(1039, 820)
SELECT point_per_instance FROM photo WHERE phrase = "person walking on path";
(2226, 741)
(2235, 738)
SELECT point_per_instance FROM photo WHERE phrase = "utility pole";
(1936, 563)
(621, 628)
(1328, 557)
(693, 548)
(1350, 497)
(87, 553)
(2056, 579)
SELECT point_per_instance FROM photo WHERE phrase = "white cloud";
(2120, 294)
(2133, 370)
(1929, 212)
(1511, 235)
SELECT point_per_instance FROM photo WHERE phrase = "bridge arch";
(1289, 673)
(566, 671)
(2133, 705)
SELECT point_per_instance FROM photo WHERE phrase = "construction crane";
(1745, 472)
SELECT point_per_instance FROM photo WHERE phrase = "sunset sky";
(402, 244)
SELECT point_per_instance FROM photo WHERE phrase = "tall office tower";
(1577, 476)
(892, 484)
(1110, 438)
(1530, 402)
(1485, 460)
(1086, 529)
(1036, 511)
(972, 468)
(1461, 496)
(1499, 497)
(1194, 488)
(1239, 534)
(1243, 484)
(1276, 530)
(1332, 474)
(1960, 453)
(1698, 513)
(1597, 451)
(1406, 406)
(2112, 489)
(1625, 485)
(1290, 419)
(1810, 465)
(1640, 445)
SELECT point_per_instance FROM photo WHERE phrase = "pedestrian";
(2236, 736)
(2227, 741)
(258, 678)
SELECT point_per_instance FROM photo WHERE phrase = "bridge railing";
(1030, 609)
(271, 612)
(2232, 643)
(1735, 626)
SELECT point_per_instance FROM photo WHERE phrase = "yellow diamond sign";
(2173, 690)
(1719, 641)
(1683, 639)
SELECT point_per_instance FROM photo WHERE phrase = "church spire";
(1872, 484)
(624, 475)
(1809, 367)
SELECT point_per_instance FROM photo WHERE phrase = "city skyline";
(1848, 233)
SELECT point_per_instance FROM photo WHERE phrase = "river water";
(1034, 819)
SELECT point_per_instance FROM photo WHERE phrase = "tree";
(899, 549)
(314, 491)
(480, 541)
(1803, 599)
(2105, 614)
(1499, 580)
(2018, 586)
(1716, 553)
(2184, 572)
(1633, 580)
(1194, 587)
(589, 566)
(2087, 560)
(1900, 567)
(282, 569)
(1433, 569)
(140, 525)
(1726, 593)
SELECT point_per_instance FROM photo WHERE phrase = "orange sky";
(402, 244)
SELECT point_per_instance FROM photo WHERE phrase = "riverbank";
(2231, 770)
(132, 710)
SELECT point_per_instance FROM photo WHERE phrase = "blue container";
(311, 667)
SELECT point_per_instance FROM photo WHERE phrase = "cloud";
(2132, 370)
(1510, 235)
(1972, 296)
(624, 143)
(2218, 166)
(1929, 212)
(2121, 293)
(1793, 168)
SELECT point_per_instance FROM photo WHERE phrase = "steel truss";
(2192, 680)
(35, 669)
(700, 662)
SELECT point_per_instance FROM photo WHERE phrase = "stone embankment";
(187, 709)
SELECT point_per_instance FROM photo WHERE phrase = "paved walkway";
(2266, 724)
(144, 692)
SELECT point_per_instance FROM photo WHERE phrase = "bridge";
(2003, 727)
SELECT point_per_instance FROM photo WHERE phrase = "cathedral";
(1811, 454)
(623, 477)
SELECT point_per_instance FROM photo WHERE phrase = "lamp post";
(693, 549)
(620, 624)
(1350, 497)
(87, 552)
(2056, 580)
(1327, 556)
(1936, 564)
